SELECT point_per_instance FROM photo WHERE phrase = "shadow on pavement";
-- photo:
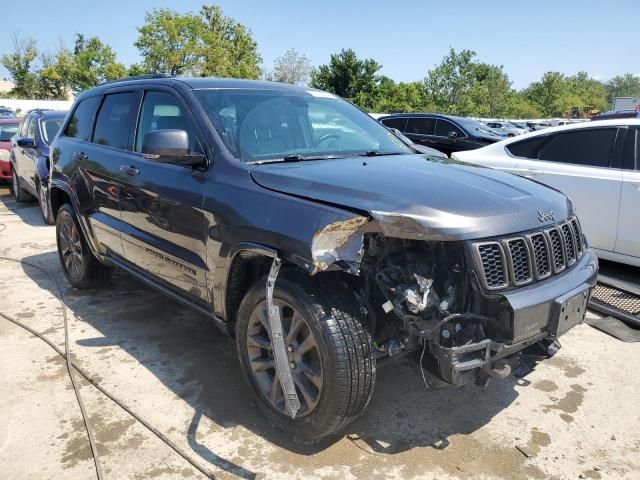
(28, 212)
(197, 362)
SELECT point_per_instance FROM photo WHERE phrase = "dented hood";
(420, 197)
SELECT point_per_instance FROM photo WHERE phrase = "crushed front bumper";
(541, 311)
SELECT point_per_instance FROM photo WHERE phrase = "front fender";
(42, 170)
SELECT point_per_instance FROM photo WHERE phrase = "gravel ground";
(575, 416)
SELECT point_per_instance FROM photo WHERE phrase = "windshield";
(259, 125)
(476, 128)
(50, 128)
(7, 130)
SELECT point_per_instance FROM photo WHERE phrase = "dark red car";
(8, 128)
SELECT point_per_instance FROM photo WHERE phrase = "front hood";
(422, 197)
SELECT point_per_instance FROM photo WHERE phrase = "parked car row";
(29, 159)
(445, 133)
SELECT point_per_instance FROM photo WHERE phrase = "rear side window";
(444, 127)
(395, 123)
(527, 148)
(421, 126)
(590, 147)
(113, 125)
(79, 126)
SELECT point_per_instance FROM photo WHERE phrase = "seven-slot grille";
(520, 259)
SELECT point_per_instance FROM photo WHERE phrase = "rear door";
(421, 130)
(578, 163)
(628, 240)
(165, 226)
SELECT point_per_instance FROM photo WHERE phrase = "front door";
(165, 228)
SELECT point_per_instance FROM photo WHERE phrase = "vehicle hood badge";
(546, 215)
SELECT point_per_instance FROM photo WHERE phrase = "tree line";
(208, 43)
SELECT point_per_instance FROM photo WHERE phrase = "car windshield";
(50, 128)
(477, 128)
(268, 125)
(8, 130)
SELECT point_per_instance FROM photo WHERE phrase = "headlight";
(4, 155)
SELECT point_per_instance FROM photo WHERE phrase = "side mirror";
(26, 142)
(453, 135)
(169, 146)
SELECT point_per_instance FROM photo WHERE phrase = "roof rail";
(137, 77)
(40, 110)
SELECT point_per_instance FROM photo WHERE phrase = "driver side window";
(161, 111)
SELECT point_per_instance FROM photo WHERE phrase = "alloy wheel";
(303, 355)
(70, 246)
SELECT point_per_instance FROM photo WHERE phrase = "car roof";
(199, 84)
(426, 115)
(619, 122)
(10, 120)
(55, 114)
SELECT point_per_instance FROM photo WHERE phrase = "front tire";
(80, 267)
(328, 348)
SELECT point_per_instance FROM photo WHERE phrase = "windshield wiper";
(295, 158)
(376, 153)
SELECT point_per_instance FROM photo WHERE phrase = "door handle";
(80, 156)
(531, 172)
(129, 170)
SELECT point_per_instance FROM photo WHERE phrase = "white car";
(596, 164)
(505, 128)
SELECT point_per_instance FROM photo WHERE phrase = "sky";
(527, 37)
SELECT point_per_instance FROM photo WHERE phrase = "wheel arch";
(246, 263)
(61, 193)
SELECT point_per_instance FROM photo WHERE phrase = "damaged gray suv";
(315, 237)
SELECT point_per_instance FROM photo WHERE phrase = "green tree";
(463, 86)
(93, 63)
(349, 77)
(549, 94)
(228, 48)
(204, 44)
(21, 64)
(393, 97)
(627, 85)
(292, 67)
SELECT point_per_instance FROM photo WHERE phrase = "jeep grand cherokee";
(313, 235)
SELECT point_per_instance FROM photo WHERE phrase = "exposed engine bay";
(418, 296)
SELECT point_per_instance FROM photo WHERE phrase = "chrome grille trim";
(521, 259)
(569, 243)
(487, 276)
(577, 231)
(539, 246)
(518, 260)
(558, 258)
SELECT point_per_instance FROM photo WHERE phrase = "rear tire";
(339, 373)
(19, 194)
(45, 208)
(80, 267)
